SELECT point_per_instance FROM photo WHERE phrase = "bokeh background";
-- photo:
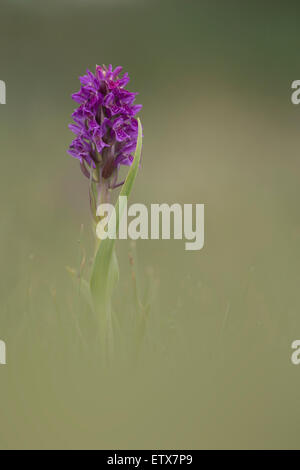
(220, 129)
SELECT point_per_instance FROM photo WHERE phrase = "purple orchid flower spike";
(105, 126)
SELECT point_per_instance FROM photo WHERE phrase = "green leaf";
(105, 272)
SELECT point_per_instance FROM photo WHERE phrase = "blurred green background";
(220, 129)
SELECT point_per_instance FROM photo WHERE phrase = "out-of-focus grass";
(214, 369)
